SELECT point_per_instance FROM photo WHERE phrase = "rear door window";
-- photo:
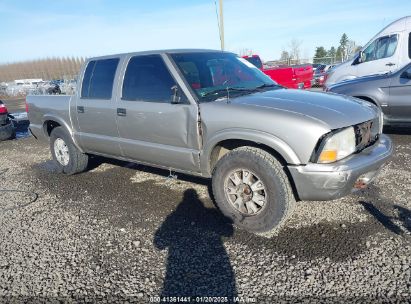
(98, 79)
(86, 79)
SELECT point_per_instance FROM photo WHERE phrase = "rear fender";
(63, 124)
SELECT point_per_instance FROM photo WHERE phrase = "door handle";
(390, 64)
(121, 112)
(80, 109)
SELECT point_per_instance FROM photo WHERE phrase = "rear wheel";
(252, 189)
(67, 157)
(7, 132)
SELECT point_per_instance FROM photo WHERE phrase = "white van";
(387, 51)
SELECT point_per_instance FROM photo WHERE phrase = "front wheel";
(251, 188)
(67, 157)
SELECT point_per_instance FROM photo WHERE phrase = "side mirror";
(406, 74)
(175, 98)
(360, 58)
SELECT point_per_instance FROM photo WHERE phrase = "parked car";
(214, 114)
(295, 77)
(6, 126)
(387, 51)
(391, 92)
(320, 74)
(315, 66)
(54, 89)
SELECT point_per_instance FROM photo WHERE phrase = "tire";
(67, 157)
(278, 195)
(7, 132)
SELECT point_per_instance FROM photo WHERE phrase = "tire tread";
(277, 167)
(79, 160)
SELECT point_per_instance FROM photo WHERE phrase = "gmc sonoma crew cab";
(293, 77)
(213, 114)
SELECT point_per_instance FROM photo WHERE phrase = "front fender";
(258, 137)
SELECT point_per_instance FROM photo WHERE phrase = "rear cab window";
(255, 60)
(98, 79)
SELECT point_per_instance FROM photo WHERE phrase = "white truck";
(387, 51)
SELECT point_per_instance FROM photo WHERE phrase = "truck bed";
(44, 107)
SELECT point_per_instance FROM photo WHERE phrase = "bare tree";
(351, 48)
(284, 55)
(295, 49)
(47, 69)
(245, 52)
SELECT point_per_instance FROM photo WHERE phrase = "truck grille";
(366, 134)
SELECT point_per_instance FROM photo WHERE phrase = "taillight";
(27, 107)
(3, 109)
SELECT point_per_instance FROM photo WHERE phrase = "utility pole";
(221, 25)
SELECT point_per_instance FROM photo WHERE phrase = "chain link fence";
(327, 60)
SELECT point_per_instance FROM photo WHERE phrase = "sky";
(49, 28)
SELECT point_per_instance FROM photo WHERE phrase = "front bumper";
(319, 182)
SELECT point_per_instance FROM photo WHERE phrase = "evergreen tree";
(320, 52)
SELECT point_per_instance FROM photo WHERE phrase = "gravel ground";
(123, 232)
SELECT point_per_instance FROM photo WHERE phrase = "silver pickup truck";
(213, 114)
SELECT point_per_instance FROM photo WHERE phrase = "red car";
(320, 74)
(6, 126)
(293, 77)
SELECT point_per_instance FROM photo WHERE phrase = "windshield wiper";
(267, 86)
(228, 90)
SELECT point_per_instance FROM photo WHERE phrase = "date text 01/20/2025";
(174, 299)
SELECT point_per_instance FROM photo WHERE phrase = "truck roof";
(399, 25)
(155, 52)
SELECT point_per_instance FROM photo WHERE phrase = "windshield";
(216, 74)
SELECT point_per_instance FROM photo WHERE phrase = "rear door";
(152, 128)
(96, 109)
(380, 56)
(400, 97)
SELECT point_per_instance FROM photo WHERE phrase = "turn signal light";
(328, 156)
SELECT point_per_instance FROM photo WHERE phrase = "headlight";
(338, 146)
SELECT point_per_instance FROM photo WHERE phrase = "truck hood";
(332, 110)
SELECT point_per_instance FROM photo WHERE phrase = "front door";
(380, 56)
(96, 109)
(400, 96)
(152, 128)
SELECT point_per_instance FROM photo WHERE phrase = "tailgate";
(304, 74)
(283, 76)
